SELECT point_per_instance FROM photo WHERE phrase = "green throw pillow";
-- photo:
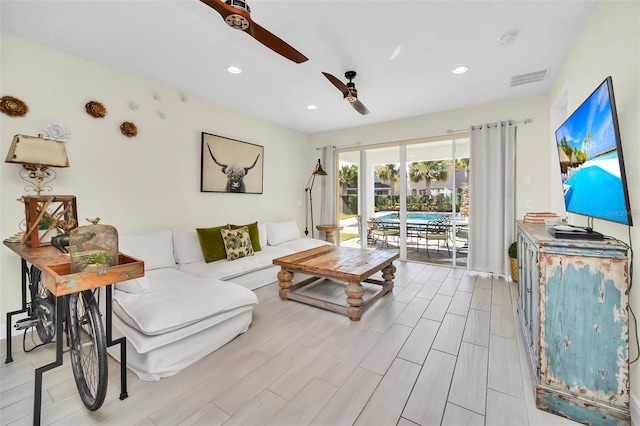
(237, 243)
(254, 234)
(211, 243)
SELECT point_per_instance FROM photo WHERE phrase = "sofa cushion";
(254, 233)
(262, 231)
(280, 232)
(211, 243)
(155, 249)
(186, 246)
(137, 285)
(222, 269)
(178, 299)
(301, 244)
(237, 243)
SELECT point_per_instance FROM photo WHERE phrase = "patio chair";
(436, 230)
(462, 233)
(379, 229)
(369, 228)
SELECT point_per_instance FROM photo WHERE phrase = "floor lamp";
(317, 171)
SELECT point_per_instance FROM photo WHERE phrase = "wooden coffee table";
(350, 265)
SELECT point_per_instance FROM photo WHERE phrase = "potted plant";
(94, 260)
(44, 224)
(513, 254)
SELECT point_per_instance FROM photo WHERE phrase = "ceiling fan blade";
(336, 82)
(359, 106)
(275, 43)
(256, 31)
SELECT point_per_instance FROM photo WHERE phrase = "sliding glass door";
(409, 198)
(437, 202)
(348, 202)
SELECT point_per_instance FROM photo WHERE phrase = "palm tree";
(464, 197)
(390, 173)
(428, 171)
(586, 144)
(463, 162)
(348, 177)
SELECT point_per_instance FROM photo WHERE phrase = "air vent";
(531, 77)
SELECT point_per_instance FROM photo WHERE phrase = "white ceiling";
(403, 51)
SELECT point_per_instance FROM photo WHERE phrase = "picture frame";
(229, 165)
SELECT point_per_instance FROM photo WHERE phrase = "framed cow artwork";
(229, 165)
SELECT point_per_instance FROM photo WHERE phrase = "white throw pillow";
(262, 232)
(137, 285)
(279, 232)
(156, 249)
(187, 247)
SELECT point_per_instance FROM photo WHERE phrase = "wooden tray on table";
(56, 267)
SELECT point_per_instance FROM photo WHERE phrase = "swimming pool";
(415, 216)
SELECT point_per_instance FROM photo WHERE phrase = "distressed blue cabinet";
(573, 308)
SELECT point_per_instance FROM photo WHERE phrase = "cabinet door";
(528, 298)
(534, 327)
(533, 278)
(584, 326)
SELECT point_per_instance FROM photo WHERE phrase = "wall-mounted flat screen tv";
(591, 161)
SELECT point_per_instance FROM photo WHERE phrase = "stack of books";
(541, 217)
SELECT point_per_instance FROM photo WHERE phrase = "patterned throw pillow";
(237, 243)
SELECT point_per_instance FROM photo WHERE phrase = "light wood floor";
(443, 349)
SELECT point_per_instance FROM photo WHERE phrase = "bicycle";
(84, 331)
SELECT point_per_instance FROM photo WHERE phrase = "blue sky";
(594, 116)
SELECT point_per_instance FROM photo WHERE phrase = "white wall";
(532, 153)
(139, 184)
(610, 45)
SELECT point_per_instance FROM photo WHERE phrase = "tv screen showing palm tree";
(590, 158)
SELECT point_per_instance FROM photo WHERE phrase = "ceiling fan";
(348, 90)
(237, 14)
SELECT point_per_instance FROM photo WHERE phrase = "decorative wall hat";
(128, 129)
(95, 109)
(56, 132)
(13, 106)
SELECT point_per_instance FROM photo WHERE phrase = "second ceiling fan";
(348, 90)
(237, 14)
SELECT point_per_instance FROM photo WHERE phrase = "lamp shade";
(36, 150)
(319, 171)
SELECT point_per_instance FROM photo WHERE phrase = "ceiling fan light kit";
(349, 91)
(237, 21)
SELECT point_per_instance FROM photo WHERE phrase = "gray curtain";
(492, 196)
(328, 210)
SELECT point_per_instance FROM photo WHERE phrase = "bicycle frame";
(60, 306)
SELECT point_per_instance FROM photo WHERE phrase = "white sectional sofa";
(185, 308)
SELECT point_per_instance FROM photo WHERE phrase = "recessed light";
(234, 70)
(460, 70)
(311, 107)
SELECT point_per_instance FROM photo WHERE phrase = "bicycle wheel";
(88, 348)
(44, 307)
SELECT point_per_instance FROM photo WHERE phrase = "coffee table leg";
(354, 291)
(388, 273)
(284, 278)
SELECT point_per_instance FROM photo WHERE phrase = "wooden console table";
(56, 276)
